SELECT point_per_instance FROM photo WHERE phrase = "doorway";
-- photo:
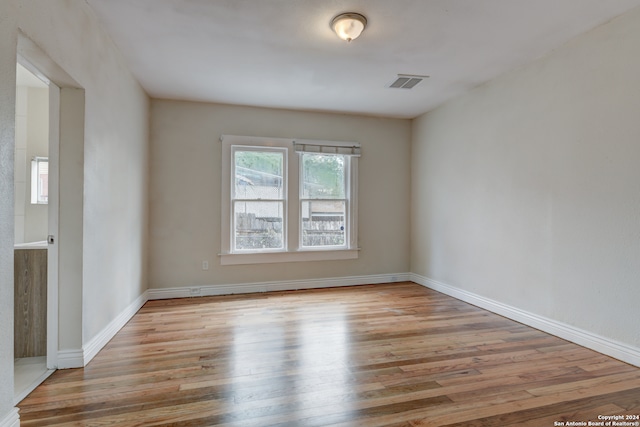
(32, 189)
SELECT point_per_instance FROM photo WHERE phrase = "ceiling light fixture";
(348, 26)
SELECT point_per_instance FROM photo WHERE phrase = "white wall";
(20, 162)
(185, 191)
(115, 164)
(115, 155)
(35, 227)
(527, 190)
(8, 39)
(32, 139)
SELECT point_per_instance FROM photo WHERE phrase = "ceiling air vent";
(407, 81)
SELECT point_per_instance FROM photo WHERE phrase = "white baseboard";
(243, 288)
(12, 419)
(78, 358)
(67, 359)
(96, 344)
(616, 349)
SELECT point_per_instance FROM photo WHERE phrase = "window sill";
(299, 256)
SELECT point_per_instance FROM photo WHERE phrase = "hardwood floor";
(381, 355)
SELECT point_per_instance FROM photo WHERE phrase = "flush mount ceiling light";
(348, 26)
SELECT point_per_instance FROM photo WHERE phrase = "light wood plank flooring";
(380, 355)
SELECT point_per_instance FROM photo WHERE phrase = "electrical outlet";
(205, 265)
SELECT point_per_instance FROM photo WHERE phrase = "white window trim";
(293, 252)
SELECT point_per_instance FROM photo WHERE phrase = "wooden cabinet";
(30, 302)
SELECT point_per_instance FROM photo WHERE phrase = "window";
(40, 181)
(323, 200)
(288, 200)
(258, 200)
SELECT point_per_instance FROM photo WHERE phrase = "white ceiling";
(282, 53)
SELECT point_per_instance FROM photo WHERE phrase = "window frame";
(293, 251)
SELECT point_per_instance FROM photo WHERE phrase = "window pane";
(323, 176)
(323, 223)
(259, 175)
(43, 181)
(40, 180)
(258, 225)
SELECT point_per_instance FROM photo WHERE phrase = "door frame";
(52, 211)
(66, 192)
